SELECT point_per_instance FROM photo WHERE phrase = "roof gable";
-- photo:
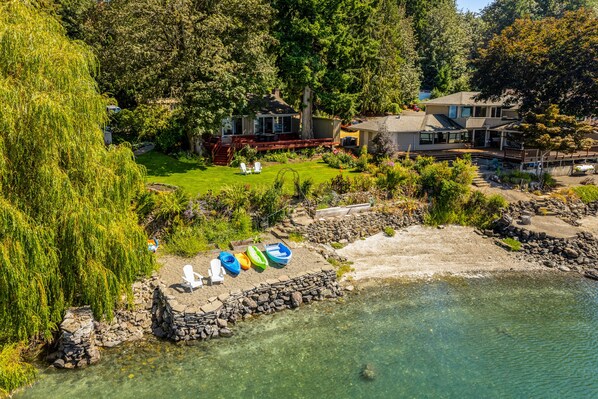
(463, 98)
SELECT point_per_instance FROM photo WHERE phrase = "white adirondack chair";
(244, 169)
(257, 167)
(216, 271)
(189, 278)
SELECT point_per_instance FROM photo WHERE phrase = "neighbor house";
(273, 116)
(454, 121)
(274, 126)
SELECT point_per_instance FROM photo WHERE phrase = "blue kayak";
(230, 263)
(279, 253)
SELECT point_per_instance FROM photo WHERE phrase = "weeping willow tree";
(68, 233)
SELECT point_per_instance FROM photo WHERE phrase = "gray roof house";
(454, 121)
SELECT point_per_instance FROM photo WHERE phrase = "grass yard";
(196, 178)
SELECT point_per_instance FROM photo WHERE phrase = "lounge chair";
(189, 279)
(216, 271)
(257, 168)
(244, 169)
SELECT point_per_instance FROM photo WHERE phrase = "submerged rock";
(368, 372)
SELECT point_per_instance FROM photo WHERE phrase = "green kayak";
(257, 257)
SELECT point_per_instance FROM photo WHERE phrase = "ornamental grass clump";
(68, 233)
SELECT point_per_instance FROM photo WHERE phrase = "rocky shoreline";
(579, 253)
(155, 313)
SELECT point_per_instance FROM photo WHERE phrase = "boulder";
(296, 299)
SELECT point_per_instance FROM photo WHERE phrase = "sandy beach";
(420, 251)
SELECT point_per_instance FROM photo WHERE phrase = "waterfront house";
(449, 122)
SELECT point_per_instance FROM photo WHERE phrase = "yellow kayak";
(243, 260)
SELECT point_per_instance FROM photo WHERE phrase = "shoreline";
(421, 252)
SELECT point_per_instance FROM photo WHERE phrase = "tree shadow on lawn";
(164, 165)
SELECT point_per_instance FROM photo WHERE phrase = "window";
(480, 112)
(495, 112)
(286, 124)
(232, 126)
(466, 112)
(227, 127)
(454, 138)
(441, 138)
(238, 125)
(466, 137)
(426, 138)
(452, 111)
(272, 124)
(258, 125)
(279, 124)
(268, 125)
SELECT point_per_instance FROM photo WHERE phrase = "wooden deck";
(521, 156)
(223, 152)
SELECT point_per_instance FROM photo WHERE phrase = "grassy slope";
(195, 178)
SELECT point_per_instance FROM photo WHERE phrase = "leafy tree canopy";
(550, 61)
(209, 55)
(502, 13)
(68, 234)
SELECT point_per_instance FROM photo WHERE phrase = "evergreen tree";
(68, 234)
(391, 77)
(444, 47)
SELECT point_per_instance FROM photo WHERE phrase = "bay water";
(496, 336)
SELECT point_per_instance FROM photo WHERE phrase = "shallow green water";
(494, 337)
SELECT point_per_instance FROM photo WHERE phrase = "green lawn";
(195, 178)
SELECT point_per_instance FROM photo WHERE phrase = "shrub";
(245, 155)
(340, 184)
(362, 162)
(342, 268)
(187, 241)
(383, 144)
(339, 159)
(548, 180)
(14, 371)
(512, 243)
(336, 245)
(389, 231)
(280, 157)
(307, 186)
(587, 193)
(296, 237)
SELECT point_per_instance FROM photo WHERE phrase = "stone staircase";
(479, 180)
(298, 219)
(542, 206)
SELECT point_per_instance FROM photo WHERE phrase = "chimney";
(276, 93)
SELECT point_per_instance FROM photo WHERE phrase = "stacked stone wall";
(179, 322)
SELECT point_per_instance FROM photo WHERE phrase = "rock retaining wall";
(579, 253)
(178, 322)
(350, 228)
(567, 254)
(76, 344)
(130, 325)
